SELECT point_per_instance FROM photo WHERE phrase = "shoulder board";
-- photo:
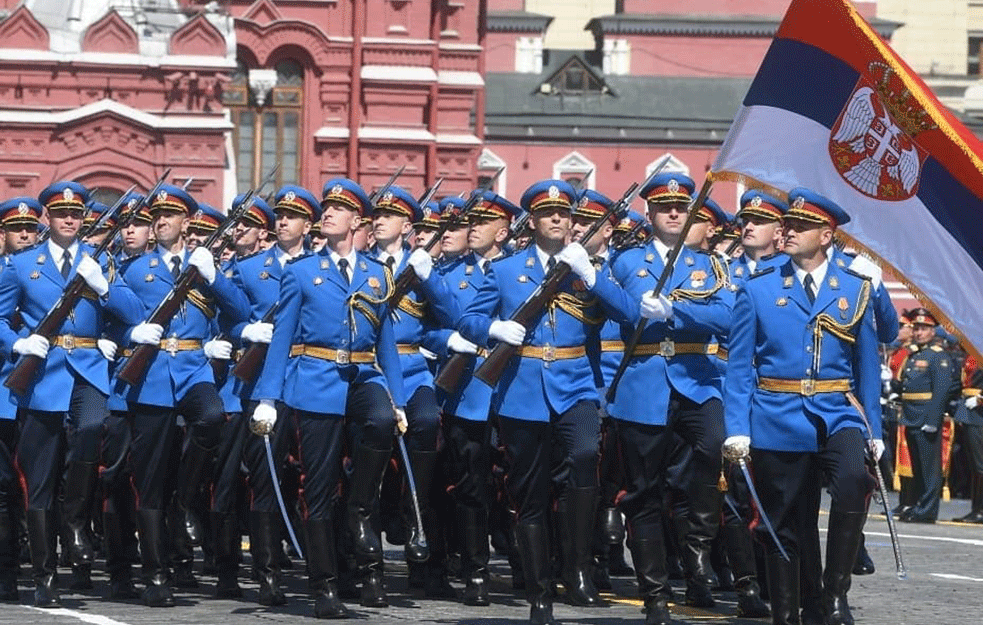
(768, 257)
(853, 273)
(129, 259)
(27, 249)
(761, 272)
(372, 259)
(291, 261)
(936, 348)
(247, 256)
(704, 252)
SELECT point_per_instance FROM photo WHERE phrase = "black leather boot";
(649, 556)
(783, 588)
(534, 553)
(842, 542)
(42, 535)
(576, 542)
(116, 544)
(610, 525)
(264, 543)
(740, 553)
(416, 548)
(475, 554)
(976, 503)
(157, 593)
(190, 478)
(80, 487)
(182, 554)
(704, 521)
(864, 564)
(225, 528)
(368, 466)
(322, 567)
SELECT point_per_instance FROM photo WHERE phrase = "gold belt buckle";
(171, 346)
(68, 342)
(808, 387)
(668, 348)
(343, 357)
(549, 353)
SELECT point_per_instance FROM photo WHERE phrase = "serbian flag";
(835, 110)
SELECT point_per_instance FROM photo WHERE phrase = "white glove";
(218, 349)
(972, 402)
(258, 332)
(507, 331)
(737, 448)
(579, 260)
(147, 333)
(264, 418)
(33, 345)
(401, 421)
(878, 449)
(203, 260)
(421, 262)
(461, 345)
(886, 375)
(108, 349)
(91, 272)
(656, 308)
(865, 267)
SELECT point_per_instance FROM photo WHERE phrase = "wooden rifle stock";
(252, 359)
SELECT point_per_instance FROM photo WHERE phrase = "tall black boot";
(264, 545)
(367, 469)
(576, 542)
(811, 578)
(225, 526)
(80, 487)
(740, 553)
(864, 564)
(182, 554)
(423, 462)
(150, 524)
(322, 567)
(42, 535)
(9, 553)
(696, 536)
(842, 543)
(474, 538)
(534, 553)
(649, 556)
(976, 502)
(118, 563)
(190, 478)
(783, 588)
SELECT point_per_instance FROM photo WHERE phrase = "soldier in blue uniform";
(19, 226)
(547, 393)
(803, 336)
(333, 360)
(178, 380)
(94, 210)
(70, 392)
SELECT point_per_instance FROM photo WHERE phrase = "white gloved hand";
(878, 449)
(507, 331)
(655, 308)
(91, 272)
(108, 349)
(203, 260)
(461, 345)
(401, 421)
(264, 418)
(865, 267)
(737, 448)
(147, 333)
(217, 349)
(579, 260)
(972, 402)
(258, 332)
(33, 345)
(886, 375)
(421, 262)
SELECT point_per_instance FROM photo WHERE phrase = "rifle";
(378, 193)
(26, 368)
(247, 368)
(136, 365)
(407, 278)
(636, 336)
(493, 367)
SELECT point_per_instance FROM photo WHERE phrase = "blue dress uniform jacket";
(31, 284)
(260, 274)
(701, 310)
(8, 407)
(775, 334)
(317, 308)
(927, 376)
(223, 327)
(885, 315)
(171, 375)
(529, 387)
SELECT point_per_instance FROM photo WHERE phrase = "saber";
(279, 496)
(732, 506)
(895, 543)
(412, 480)
(761, 511)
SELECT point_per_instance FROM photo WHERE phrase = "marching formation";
(558, 378)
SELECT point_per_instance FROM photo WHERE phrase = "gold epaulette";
(412, 307)
(575, 307)
(205, 304)
(720, 280)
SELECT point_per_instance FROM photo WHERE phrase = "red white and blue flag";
(834, 109)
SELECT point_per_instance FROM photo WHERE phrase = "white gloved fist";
(461, 345)
(972, 402)
(401, 421)
(217, 349)
(33, 345)
(737, 448)
(203, 260)
(655, 308)
(507, 331)
(107, 348)
(877, 447)
(421, 262)
(579, 260)
(865, 267)
(147, 333)
(886, 375)
(91, 272)
(264, 418)
(258, 332)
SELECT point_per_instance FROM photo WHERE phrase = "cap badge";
(289, 196)
(756, 201)
(22, 208)
(388, 197)
(798, 203)
(427, 212)
(554, 192)
(198, 215)
(673, 185)
(584, 201)
(67, 194)
(337, 189)
(131, 203)
(162, 196)
(625, 223)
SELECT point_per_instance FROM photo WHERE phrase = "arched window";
(266, 106)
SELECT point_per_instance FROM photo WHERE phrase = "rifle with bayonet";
(378, 193)
(28, 365)
(136, 365)
(248, 366)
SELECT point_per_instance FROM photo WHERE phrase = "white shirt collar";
(662, 249)
(282, 256)
(398, 256)
(351, 257)
(818, 275)
(166, 256)
(751, 264)
(56, 251)
(543, 257)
